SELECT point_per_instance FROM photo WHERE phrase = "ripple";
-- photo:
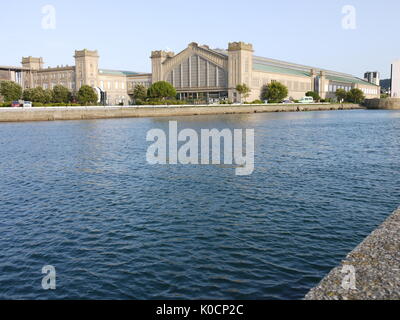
(79, 195)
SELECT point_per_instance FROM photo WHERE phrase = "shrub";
(10, 90)
(313, 94)
(87, 96)
(139, 92)
(61, 94)
(275, 92)
(243, 90)
(341, 95)
(355, 96)
(162, 90)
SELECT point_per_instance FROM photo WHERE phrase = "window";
(116, 84)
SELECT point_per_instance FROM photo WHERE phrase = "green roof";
(118, 72)
(348, 80)
(282, 70)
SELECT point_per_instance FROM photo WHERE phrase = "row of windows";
(63, 75)
(112, 85)
(133, 84)
(334, 88)
(369, 91)
(292, 85)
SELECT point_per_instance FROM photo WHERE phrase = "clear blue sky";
(125, 32)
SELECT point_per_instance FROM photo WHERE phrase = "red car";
(15, 104)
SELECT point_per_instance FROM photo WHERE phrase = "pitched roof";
(284, 67)
(119, 72)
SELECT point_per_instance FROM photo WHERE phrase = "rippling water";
(80, 196)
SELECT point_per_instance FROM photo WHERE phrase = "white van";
(307, 100)
(27, 104)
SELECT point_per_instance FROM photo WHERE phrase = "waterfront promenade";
(376, 263)
(86, 113)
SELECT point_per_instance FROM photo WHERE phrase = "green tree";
(162, 90)
(313, 94)
(341, 95)
(355, 96)
(87, 96)
(243, 90)
(139, 92)
(28, 94)
(61, 94)
(38, 94)
(10, 90)
(275, 92)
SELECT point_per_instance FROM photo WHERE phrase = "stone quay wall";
(85, 113)
(370, 272)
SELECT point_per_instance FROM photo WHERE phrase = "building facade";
(199, 71)
(117, 85)
(373, 77)
(395, 80)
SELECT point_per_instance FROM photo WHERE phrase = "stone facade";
(197, 72)
(118, 85)
(204, 73)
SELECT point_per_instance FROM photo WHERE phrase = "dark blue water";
(80, 196)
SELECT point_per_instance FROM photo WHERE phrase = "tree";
(243, 90)
(275, 92)
(139, 92)
(10, 90)
(341, 95)
(355, 96)
(61, 94)
(38, 94)
(162, 90)
(87, 96)
(313, 94)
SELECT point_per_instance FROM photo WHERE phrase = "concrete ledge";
(377, 268)
(387, 104)
(84, 113)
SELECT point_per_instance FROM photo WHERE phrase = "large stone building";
(197, 72)
(117, 84)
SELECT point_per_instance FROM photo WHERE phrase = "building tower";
(86, 68)
(373, 77)
(240, 66)
(395, 80)
(157, 64)
(31, 65)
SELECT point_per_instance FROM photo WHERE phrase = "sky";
(312, 32)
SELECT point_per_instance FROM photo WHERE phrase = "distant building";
(373, 77)
(395, 83)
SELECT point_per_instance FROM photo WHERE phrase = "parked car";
(27, 104)
(15, 104)
(287, 101)
(307, 100)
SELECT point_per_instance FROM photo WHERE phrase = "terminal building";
(197, 72)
